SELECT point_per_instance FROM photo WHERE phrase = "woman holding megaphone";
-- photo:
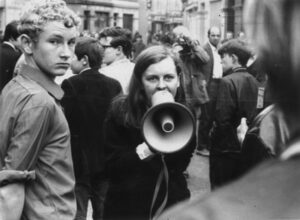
(143, 179)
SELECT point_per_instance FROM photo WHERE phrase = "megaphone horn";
(167, 126)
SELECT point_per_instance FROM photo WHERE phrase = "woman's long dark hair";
(137, 103)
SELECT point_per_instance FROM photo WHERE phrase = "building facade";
(95, 14)
(9, 10)
(147, 16)
(199, 15)
(164, 15)
(98, 14)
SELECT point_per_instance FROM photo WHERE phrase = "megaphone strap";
(164, 174)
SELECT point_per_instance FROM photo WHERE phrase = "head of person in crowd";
(274, 31)
(181, 31)
(48, 31)
(167, 39)
(155, 40)
(234, 53)
(214, 35)
(117, 44)
(156, 69)
(88, 54)
(181, 36)
(11, 33)
(229, 35)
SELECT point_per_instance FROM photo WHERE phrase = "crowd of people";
(72, 108)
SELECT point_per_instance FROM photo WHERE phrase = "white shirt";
(217, 68)
(120, 70)
(59, 79)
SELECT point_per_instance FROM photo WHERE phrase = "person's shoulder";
(109, 80)
(118, 108)
(254, 196)
(27, 89)
(206, 46)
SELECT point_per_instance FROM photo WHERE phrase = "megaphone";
(167, 126)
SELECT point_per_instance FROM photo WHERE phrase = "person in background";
(34, 132)
(228, 36)
(212, 71)
(271, 190)
(9, 53)
(237, 98)
(193, 58)
(167, 39)
(117, 46)
(131, 166)
(138, 46)
(155, 40)
(88, 95)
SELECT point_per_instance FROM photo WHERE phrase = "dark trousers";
(223, 168)
(91, 188)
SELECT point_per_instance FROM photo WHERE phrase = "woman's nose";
(161, 84)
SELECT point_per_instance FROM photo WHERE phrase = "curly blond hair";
(37, 13)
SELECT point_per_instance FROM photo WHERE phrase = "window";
(86, 20)
(128, 21)
(102, 20)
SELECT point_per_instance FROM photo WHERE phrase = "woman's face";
(161, 76)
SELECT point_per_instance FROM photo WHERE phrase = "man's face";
(54, 49)
(227, 62)
(214, 36)
(109, 52)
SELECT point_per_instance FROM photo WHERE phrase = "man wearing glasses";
(117, 44)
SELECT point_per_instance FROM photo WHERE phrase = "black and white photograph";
(149, 109)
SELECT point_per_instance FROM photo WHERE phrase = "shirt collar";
(212, 46)
(123, 60)
(84, 70)
(235, 70)
(41, 78)
(239, 69)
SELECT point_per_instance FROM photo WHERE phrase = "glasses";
(105, 46)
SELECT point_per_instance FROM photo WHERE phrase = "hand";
(143, 151)
(242, 130)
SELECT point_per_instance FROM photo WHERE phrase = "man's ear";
(235, 59)
(26, 44)
(120, 50)
(85, 61)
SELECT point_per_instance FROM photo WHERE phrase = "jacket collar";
(41, 78)
(292, 151)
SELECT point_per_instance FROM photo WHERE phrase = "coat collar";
(41, 78)
(292, 151)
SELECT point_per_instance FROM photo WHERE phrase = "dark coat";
(8, 60)
(86, 101)
(132, 181)
(208, 67)
(237, 98)
(266, 137)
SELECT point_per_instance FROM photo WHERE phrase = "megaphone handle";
(164, 174)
